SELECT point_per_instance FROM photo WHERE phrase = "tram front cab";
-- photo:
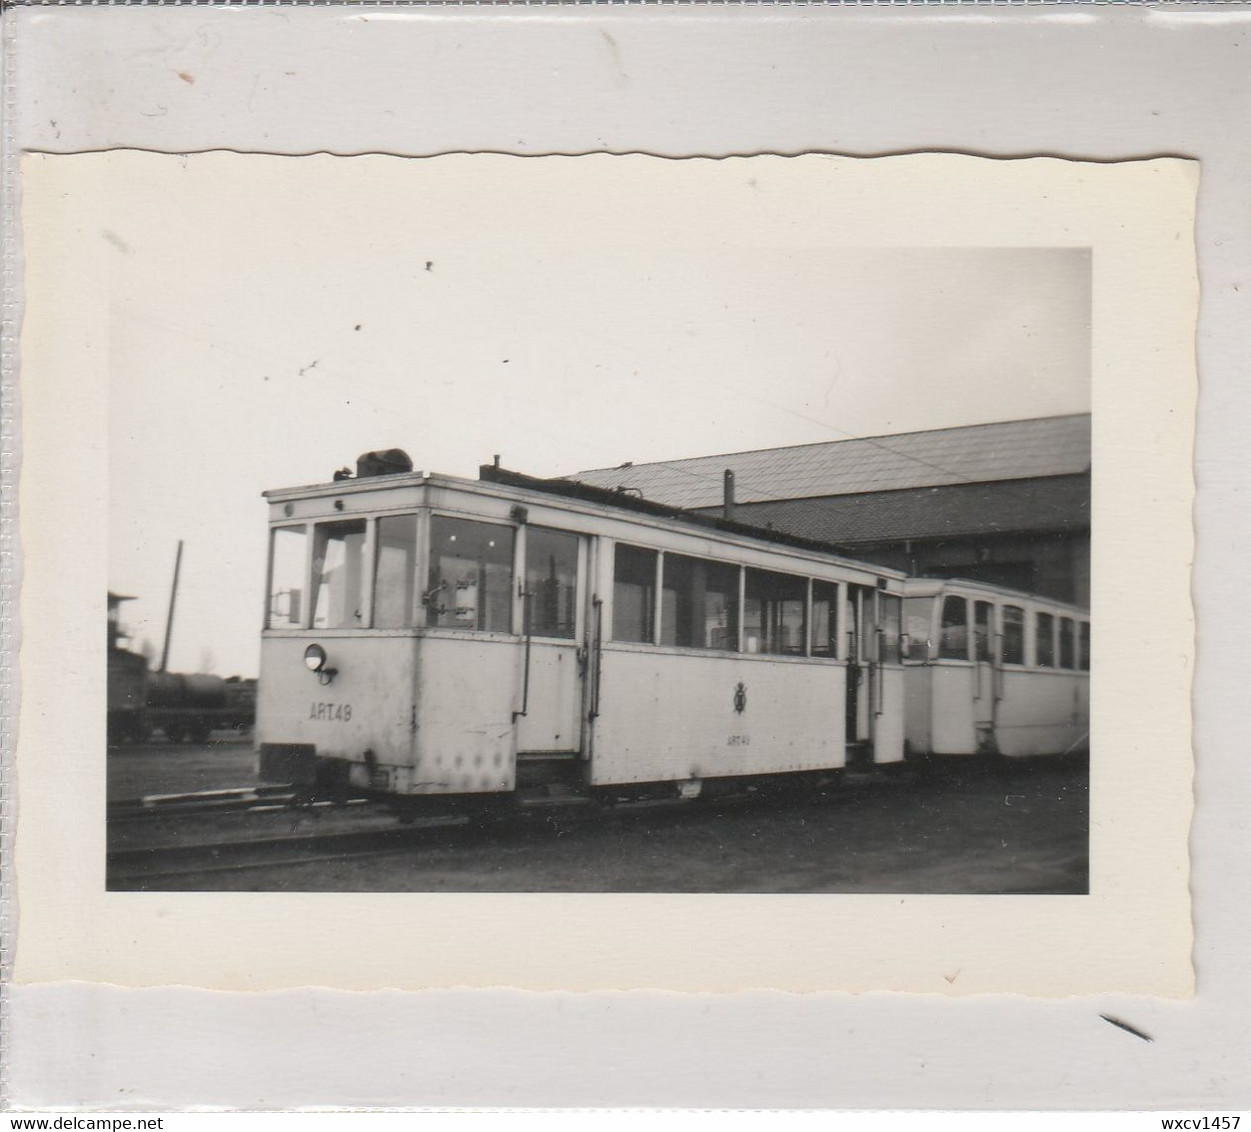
(394, 659)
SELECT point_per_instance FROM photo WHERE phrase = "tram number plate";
(328, 712)
(738, 741)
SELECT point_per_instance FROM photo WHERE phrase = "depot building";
(1006, 503)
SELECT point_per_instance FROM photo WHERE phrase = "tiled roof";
(1007, 450)
(1060, 503)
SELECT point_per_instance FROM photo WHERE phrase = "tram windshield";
(471, 574)
(364, 575)
(287, 557)
(339, 575)
(394, 607)
(919, 626)
(983, 629)
(953, 644)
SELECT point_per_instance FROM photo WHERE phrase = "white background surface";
(1102, 82)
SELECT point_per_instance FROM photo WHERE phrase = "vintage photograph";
(597, 516)
(589, 525)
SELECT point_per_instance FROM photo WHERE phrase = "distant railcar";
(990, 671)
(430, 638)
(126, 696)
(240, 703)
(193, 705)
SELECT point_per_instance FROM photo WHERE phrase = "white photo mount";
(687, 58)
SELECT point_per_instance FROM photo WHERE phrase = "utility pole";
(173, 597)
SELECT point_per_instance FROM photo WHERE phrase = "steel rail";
(233, 800)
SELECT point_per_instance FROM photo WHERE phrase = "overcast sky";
(273, 318)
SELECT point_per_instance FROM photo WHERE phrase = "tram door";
(859, 624)
(549, 715)
(985, 686)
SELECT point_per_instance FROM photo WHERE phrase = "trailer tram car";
(994, 672)
(434, 640)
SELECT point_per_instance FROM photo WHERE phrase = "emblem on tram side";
(740, 698)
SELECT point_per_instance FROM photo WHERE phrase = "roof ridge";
(827, 443)
(774, 502)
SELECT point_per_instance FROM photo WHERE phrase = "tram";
(991, 671)
(431, 638)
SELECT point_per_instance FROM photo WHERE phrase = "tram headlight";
(315, 661)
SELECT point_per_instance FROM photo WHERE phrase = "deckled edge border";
(619, 3)
(10, 275)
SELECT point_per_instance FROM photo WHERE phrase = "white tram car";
(994, 672)
(429, 637)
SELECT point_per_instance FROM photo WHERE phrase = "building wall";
(1053, 564)
(1030, 534)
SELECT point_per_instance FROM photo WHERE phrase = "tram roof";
(584, 493)
(622, 500)
(981, 453)
(928, 586)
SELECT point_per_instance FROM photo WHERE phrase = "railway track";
(138, 867)
(241, 799)
(268, 827)
(278, 832)
(171, 835)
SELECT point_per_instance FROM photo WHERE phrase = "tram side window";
(892, 616)
(288, 547)
(1044, 641)
(825, 619)
(918, 620)
(983, 627)
(699, 604)
(471, 575)
(339, 575)
(393, 574)
(953, 644)
(774, 613)
(1013, 635)
(1066, 643)
(551, 582)
(1083, 661)
(633, 594)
